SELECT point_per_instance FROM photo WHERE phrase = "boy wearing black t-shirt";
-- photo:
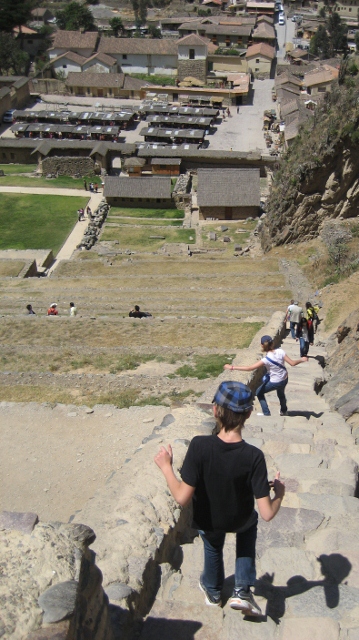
(224, 474)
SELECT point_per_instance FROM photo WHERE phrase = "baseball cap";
(266, 339)
(233, 395)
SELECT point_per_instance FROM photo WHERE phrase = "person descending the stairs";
(276, 377)
(223, 474)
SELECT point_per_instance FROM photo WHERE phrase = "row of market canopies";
(175, 120)
(79, 132)
(121, 118)
(154, 108)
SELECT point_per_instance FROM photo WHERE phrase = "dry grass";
(11, 268)
(200, 265)
(57, 332)
(139, 238)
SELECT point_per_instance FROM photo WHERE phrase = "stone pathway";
(308, 559)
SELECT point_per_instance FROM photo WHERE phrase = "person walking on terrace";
(224, 474)
(305, 335)
(294, 314)
(276, 377)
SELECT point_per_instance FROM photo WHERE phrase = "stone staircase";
(307, 557)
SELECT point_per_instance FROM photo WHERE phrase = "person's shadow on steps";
(305, 414)
(335, 568)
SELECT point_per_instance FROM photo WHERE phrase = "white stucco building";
(142, 55)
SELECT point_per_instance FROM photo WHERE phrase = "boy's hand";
(227, 366)
(278, 486)
(304, 359)
(164, 457)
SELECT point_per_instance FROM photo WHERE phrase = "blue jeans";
(304, 347)
(279, 387)
(212, 577)
(293, 326)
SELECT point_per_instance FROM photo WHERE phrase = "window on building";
(214, 39)
(64, 66)
(110, 92)
(256, 69)
(124, 56)
(192, 54)
(322, 89)
(88, 91)
(4, 155)
(12, 156)
(257, 60)
(158, 199)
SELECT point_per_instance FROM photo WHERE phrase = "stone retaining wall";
(55, 585)
(68, 166)
(193, 68)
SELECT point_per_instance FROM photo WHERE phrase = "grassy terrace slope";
(206, 306)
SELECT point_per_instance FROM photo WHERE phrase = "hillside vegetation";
(318, 177)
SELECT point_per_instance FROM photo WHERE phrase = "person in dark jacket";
(136, 313)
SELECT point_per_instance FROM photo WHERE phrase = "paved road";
(243, 131)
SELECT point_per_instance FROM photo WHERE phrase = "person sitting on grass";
(136, 313)
(224, 474)
(276, 378)
(30, 310)
(73, 310)
(52, 310)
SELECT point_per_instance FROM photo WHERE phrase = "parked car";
(281, 19)
(294, 18)
(8, 115)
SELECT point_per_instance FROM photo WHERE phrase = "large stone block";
(309, 629)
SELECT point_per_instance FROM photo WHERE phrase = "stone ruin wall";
(194, 68)
(56, 587)
(68, 166)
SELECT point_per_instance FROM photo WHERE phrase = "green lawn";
(13, 179)
(139, 238)
(147, 213)
(37, 222)
(145, 223)
(18, 168)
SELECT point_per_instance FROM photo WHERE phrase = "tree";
(14, 13)
(319, 43)
(75, 16)
(116, 25)
(140, 10)
(337, 32)
(46, 31)
(13, 61)
(154, 32)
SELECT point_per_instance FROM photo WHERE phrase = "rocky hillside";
(319, 176)
(342, 374)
